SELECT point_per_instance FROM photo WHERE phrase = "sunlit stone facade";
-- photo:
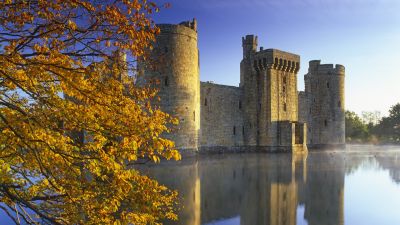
(265, 113)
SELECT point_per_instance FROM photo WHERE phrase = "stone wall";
(221, 115)
(305, 111)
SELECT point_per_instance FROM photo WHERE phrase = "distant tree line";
(372, 128)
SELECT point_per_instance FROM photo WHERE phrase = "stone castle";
(266, 112)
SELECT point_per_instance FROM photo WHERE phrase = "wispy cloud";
(282, 4)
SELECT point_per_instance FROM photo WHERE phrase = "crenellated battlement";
(340, 69)
(188, 28)
(250, 40)
(249, 44)
(276, 59)
(315, 67)
(190, 24)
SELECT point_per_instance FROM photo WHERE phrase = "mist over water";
(356, 186)
(359, 185)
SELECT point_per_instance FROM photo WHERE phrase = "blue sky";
(362, 35)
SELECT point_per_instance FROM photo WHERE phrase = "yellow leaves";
(41, 48)
(175, 121)
(26, 17)
(155, 158)
(87, 5)
(10, 47)
(132, 157)
(72, 25)
(176, 155)
(71, 128)
(4, 167)
(20, 75)
(9, 84)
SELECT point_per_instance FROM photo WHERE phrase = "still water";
(356, 186)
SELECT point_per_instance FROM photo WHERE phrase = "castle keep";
(266, 112)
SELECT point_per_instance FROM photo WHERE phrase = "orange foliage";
(60, 81)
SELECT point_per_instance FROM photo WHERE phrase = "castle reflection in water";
(264, 188)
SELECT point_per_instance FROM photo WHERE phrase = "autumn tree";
(72, 120)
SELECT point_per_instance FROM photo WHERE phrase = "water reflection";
(251, 189)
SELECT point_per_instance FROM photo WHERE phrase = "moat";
(359, 185)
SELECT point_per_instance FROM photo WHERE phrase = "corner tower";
(175, 67)
(324, 90)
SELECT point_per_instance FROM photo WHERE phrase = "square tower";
(269, 82)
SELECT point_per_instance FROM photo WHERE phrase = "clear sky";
(362, 35)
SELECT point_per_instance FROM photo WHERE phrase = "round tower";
(325, 85)
(338, 99)
(175, 67)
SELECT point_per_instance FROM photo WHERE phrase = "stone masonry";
(265, 113)
(322, 105)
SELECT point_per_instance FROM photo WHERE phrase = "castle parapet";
(190, 24)
(315, 67)
(250, 40)
(313, 64)
(276, 59)
(340, 69)
(188, 28)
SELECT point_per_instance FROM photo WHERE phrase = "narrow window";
(284, 80)
(326, 123)
(240, 104)
(166, 82)
(284, 88)
(284, 107)
(338, 104)
(243, 130)
(327, 84)
(205, 101)
(234, 130)
(166, 49)
(194, 115)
